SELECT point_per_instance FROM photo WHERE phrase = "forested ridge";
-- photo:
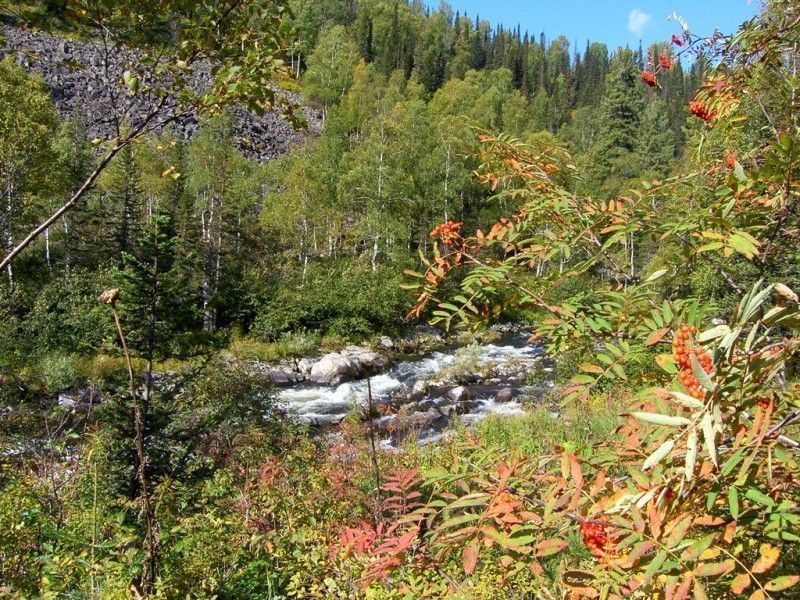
(220, 217)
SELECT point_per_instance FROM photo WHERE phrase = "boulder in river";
(333, 369)
(365, 359)
(504, 395)
(459, 394)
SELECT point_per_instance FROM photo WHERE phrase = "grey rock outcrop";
(83, 78)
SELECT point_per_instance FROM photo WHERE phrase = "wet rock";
(459, 394)
(304, 366)
(283, 376)
(504, 395)
(426, 405)
(421, 386)
(366, 360)
(467, 407)
(386, 343)
(333, 369)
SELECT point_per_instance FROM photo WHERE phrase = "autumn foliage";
(695, 495)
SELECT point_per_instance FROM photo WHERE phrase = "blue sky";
(614, 22)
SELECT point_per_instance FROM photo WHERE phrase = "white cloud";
(638, 20)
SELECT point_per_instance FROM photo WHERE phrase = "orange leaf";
(683, 590)
(757, 595)
(709, 521)
(767, 559)
(550, 547)
(740, 583)
(657, 336)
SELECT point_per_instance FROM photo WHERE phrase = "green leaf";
(694, 551)
(700, 374)
(742, 245)
(691, 454)
(686, 400)
(660, 454)
(782, 583)
(658, 419)
(712, 334)
(733, 502)
(709, 436)
(759, 497)
(657, 275)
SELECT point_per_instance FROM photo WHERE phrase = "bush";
(350, 302)
(59, 371)
(66, 316)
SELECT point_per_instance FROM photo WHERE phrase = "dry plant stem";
(149, 570)
(373, 452)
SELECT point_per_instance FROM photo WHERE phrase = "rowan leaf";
(657, 336)
(768, 556)
(691, 454)
(709, 435)
(740, 583)
(733, 502)
(550, 547)
(658, 419)
(660, 454)
(469, 558)
(715, 569)
(782, 583)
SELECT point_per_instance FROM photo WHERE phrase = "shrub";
(352, 302)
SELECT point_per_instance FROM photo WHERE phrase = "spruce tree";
(621, 109)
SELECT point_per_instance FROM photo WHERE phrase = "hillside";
(75, 73)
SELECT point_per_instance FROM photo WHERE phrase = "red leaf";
(550, 547)
(470, 559)
(657, 336)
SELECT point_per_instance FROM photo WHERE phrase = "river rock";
(458, 394)
(283, 376)
(66, 401)
(504, 395)
(304, 366)
(333, 369)
(365, 359)
(386, 343)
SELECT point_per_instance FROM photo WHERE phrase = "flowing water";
(326, 405)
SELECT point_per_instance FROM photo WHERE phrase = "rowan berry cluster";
(596, 539)
(683, 356)
(649, 78)
(701, 111)
(665, 61)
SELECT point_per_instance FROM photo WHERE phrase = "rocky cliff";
(76, 74)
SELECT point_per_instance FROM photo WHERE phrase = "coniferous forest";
(363, 299)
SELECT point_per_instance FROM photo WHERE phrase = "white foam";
(326, 404)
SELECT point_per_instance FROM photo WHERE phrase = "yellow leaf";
(767, 559)
(710, 554)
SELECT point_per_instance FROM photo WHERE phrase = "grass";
(576, 427)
